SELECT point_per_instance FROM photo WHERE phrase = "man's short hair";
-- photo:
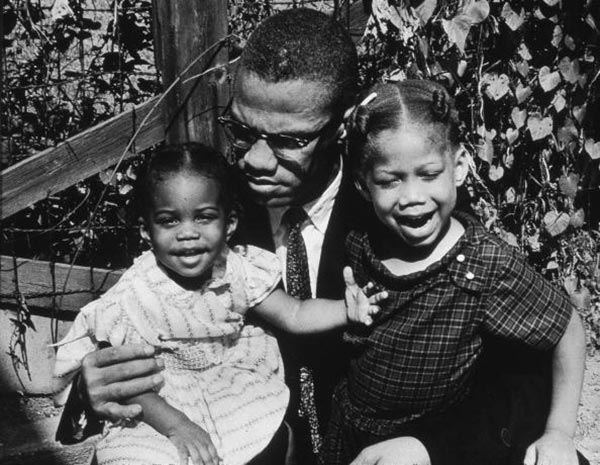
(301, 43)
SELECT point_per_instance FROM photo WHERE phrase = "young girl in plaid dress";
(224, 396)
(451, 285)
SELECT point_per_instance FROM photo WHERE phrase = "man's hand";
(360, 308)
(398, 451)
(110, 376)
(192, 442)
(553, 448)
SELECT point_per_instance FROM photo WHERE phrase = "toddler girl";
(450, 283)
(224, 395)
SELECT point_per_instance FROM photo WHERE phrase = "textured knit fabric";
(420, 355)
(225, 376)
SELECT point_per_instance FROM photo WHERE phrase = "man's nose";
(260, 158)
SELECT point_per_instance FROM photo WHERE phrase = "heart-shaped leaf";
(518, 117)
(539, 127)
(511, 136)
(485, 150)
(559, 102)
(556, 223)
(107, 177)
(570, 42)
(496, 173)
(457, 28)
(523, 93)
(579, 112)
(522, 68)
(523, 52)
(557, 36)
(548, 79)
(568, 183)
(569, 69)
(512, 19)
(592, 148)
(577, 219)
(425, 10)
(495, 86)
(567, 132)
(510, 195)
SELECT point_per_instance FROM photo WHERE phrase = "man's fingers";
(116, 412)
(101, 396)
(120, 372)
(119, 354)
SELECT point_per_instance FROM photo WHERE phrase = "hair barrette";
(369, 98)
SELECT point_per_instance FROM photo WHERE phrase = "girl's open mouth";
(415, 221)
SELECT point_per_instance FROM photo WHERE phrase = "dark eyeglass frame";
(286, 141)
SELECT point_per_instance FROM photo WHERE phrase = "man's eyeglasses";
(243, 137)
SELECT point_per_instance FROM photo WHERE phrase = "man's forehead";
(290, 95)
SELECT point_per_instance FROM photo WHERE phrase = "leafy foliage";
(525, 75)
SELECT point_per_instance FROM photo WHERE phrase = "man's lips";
(260, 181)
(414, 221)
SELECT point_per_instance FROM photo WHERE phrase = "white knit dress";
(225, 376)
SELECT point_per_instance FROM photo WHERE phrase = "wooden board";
(39, 277)
(355, 19)
(77, 158)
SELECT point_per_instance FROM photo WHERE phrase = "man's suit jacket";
(323, 353)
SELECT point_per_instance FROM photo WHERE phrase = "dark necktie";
(298, 285)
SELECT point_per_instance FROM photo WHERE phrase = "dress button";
(460, 258)
(470, 275)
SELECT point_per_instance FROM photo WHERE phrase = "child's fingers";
(368, 287)
(349, 277)
(208, 455)
(379, 297)
(374, 309)
(183, 454)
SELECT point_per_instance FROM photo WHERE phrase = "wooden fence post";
(183, 29)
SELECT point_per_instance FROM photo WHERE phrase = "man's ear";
(144, 230)
(361, 187)
(232, 224)
(461, 165)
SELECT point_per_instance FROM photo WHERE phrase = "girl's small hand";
(192, 442)
(554, 447)
(359, 306)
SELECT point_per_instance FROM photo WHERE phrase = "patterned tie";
(298, 285)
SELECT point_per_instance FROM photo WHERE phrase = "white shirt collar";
(318, 210)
